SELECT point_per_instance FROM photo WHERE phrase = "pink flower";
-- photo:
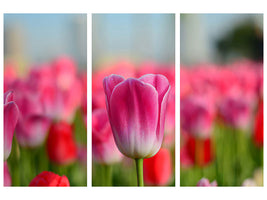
(11, 115)
(136, 110)
(235, 110)
(65, 71)
(33, 124)
(59, 88)
(205, 183)
(197, 115)
(104, 148)
(158, 169)
(7, 177)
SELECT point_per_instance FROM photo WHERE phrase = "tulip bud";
(136, 110)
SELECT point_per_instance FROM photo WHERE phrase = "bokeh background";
(220, 38)
(221, 99)
(45, 63)
(131, 45)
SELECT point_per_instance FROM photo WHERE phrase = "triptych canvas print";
(146, 112)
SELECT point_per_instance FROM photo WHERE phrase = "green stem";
(108, 175)
(139, 171)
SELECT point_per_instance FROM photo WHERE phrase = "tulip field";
(221, 115)
(132, 143)
(45, 137)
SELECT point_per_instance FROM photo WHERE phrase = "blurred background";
(38, 38)
(45, 64)
(139, 37)
(131, 45)
(221, 99)
(220, 38)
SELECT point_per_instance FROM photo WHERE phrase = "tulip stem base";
(139, 171)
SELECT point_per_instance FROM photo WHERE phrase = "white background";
(124, 6)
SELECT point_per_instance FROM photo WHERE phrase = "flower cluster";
(221, 105)
(42, 109)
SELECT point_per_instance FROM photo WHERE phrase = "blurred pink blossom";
(206, 183)
(104, 149)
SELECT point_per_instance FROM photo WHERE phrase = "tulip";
(11, 115)
(235, 110)
(33, 124)
(205, 183)
(258, 126)
(50, 179)
(59, 88)
(196, 151)
(7, 177)
(104, 149)
(60, 144)
(158, 169)
(197, 115)
(136, 110)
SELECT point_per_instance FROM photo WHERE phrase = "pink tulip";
(43, 82)
(197, 115)
(33, 124)
(104, 148)
(7, 177)
(136, 110)
(59, 88)
(206, 183)
(235, 110)
(11, 115)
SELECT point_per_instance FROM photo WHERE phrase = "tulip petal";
(161, 84)
(134, 116)
(8, 96)
(11, 114)
(109, 83)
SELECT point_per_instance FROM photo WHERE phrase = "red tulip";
(258, 126)
(49, 179)
(158, 169)
(60, 144)
(196, 151)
